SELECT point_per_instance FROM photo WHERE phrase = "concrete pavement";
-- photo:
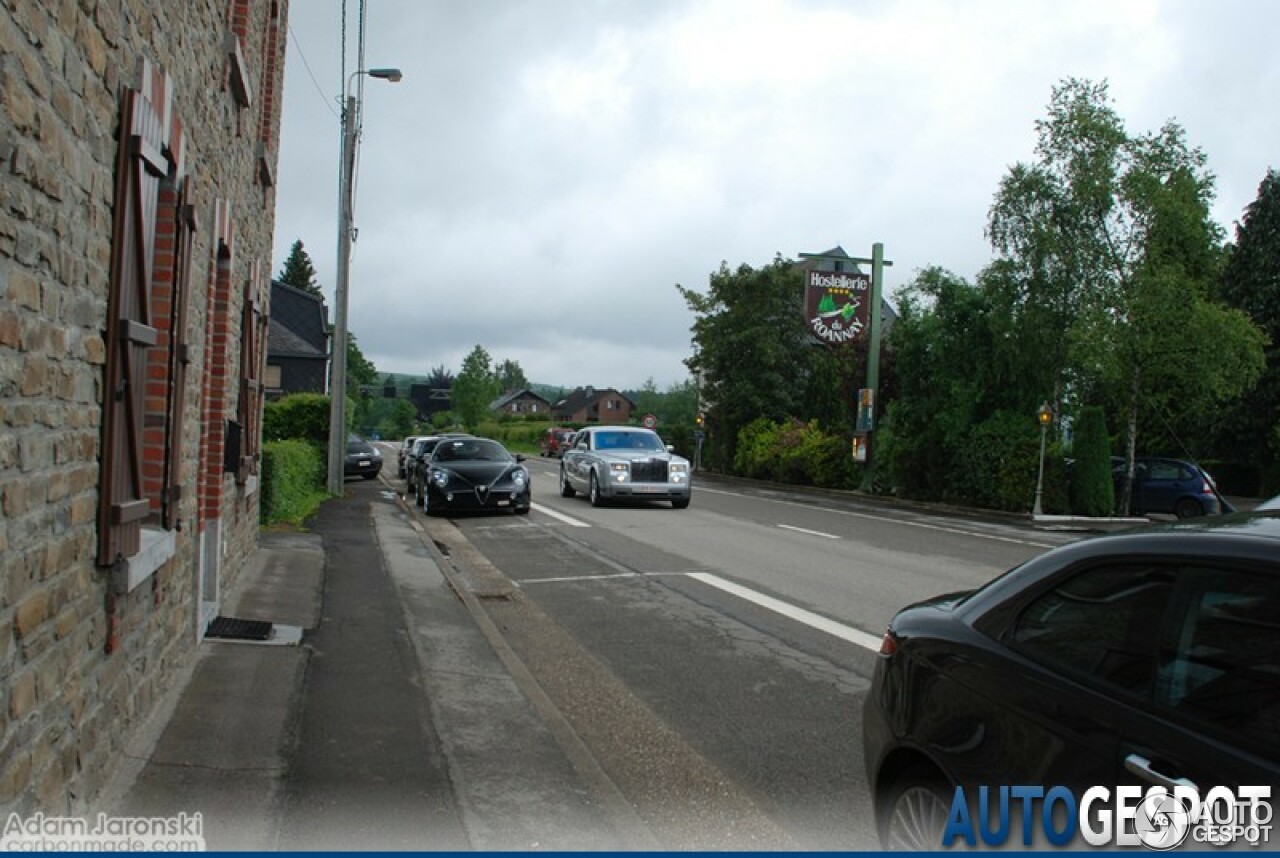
(396, 722)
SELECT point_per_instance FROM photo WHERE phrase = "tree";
(361, 372)
(1110, 249)
(439, 378)
(1249, 428)
(750, 348)
(298, 271)
(1092, 489)
(510, 377)
(474, 388)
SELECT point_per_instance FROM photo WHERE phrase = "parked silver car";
(614, 462)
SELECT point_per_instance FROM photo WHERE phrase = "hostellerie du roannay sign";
(836, 303)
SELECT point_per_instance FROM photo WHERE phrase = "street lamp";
(338, 345)
(1045, 416)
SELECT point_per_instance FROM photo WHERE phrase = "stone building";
(139, 143)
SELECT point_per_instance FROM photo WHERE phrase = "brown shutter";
(140, 164)
(252, 342)
(179, 359)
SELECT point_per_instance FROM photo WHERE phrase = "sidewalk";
(393, 724)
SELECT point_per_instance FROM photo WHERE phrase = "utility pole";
(338, 343)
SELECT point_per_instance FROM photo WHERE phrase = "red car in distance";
(555, 440)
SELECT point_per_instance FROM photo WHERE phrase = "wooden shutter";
(179, 359)
(140, 164)
(253, 333)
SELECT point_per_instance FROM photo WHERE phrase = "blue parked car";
(1170, 486)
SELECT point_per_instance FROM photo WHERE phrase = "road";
(713, 661)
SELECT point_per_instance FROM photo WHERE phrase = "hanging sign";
(837, 303)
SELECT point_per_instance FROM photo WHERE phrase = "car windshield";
(470, 450)
(642, 441)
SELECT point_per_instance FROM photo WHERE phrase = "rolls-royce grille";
(649, 472)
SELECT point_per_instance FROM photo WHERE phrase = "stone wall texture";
(84, 662)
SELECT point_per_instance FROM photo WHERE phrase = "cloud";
(548, 170)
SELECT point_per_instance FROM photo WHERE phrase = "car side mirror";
(671, 448)
(519, 457)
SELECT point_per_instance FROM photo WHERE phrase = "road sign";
(649, 421)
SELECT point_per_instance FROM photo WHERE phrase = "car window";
(1165, 471)
(1102, 624)
(484, 451)
(1221, 660)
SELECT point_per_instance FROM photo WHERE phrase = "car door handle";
(1139, 765)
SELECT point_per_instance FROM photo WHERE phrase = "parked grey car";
(614, 462)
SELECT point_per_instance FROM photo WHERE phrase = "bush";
(298, 416)
(797, 453)
(1092, 489)
(757, 451)
(294, 474)
(997, 467)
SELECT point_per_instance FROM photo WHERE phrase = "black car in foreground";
(465, 474)
(1150, 657)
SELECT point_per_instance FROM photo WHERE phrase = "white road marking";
(809, 618)
(571, 579)
(559, 516)
(809, 532)
(800, 615)
(885, 518)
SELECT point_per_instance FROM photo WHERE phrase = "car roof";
(1242, 537)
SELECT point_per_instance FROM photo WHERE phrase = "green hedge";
(294, 474)
(795, 452)
(303, 416)
(1092, 488)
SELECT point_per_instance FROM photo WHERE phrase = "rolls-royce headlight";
(679, 468)
(440, 478)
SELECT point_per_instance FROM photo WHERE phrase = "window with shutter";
(146, 329)
(252, 359)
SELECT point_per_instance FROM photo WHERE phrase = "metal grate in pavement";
(230, 628)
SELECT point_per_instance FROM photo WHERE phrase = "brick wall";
(86, 650)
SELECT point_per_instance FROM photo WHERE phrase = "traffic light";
(701, 419)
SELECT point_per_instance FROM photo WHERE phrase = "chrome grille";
(652, 471)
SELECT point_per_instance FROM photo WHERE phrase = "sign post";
(833, 323)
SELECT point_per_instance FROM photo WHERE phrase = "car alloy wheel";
(915, 816)
(1187, 508)
(594, 491)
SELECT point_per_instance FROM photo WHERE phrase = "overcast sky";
(548, 170)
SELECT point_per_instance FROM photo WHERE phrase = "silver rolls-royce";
(613, 462)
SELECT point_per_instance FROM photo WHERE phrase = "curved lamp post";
(1045, 416)
(338, 344)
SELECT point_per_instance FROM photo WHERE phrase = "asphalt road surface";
(713, 661)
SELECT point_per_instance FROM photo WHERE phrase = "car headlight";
(440, 478)
(519, 477)
(678, 468)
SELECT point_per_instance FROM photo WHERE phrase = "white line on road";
(809, 532)
(559, 516)
(885, 518)
(800, 615)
